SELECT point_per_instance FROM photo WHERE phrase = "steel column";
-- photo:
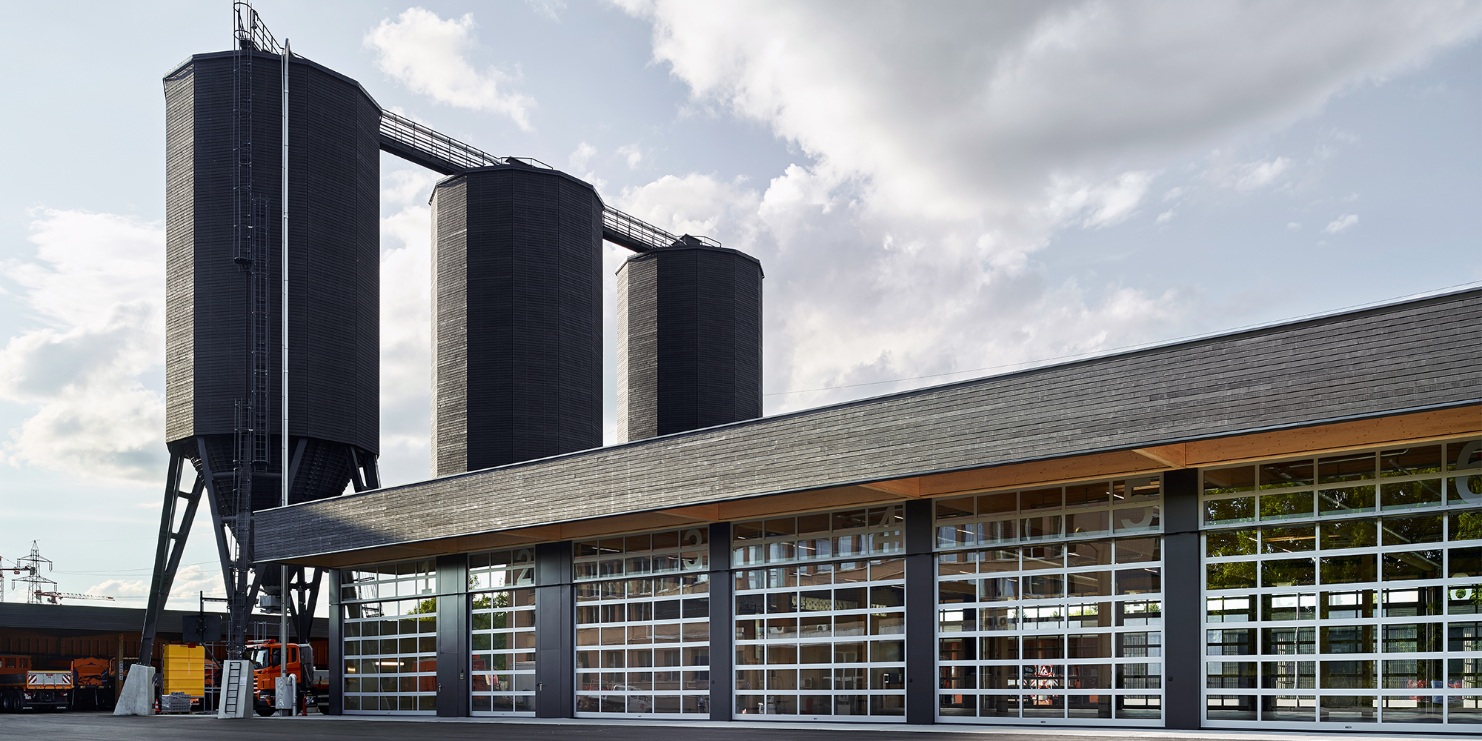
(921, 614)
(1183, 611)
(452, 636)
(335, 656)
(555, 633)
(722, 624)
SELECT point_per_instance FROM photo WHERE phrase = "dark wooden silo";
(334, 252)
(517, 314)
(689, 339)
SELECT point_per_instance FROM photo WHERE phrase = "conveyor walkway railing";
(422, 145)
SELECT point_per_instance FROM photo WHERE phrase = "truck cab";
(267, 667)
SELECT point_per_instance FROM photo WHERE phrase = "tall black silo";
(223, 309)
(223, 180)
(517, 317)
(689, 339)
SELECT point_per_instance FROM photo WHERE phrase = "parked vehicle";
(92, 684)
(312, 683)
(24, 688)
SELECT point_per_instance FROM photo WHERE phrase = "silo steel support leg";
(223, 549)
(364, 475)
(168, 549)
(298, 457)
(372, 474)
(304, 591)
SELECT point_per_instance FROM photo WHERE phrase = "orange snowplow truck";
(92, 681)
(267, 665)
(24, 688)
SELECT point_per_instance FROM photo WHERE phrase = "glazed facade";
(1051, 604)
(1345, 591)
(1337, 591)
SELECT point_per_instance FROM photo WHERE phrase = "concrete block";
(137, 697)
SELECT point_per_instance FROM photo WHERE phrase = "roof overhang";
(1400, 429)
(1397, 374)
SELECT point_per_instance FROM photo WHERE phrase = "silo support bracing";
(245, 581)
(169, 547)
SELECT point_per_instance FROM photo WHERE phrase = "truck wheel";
(266, 710)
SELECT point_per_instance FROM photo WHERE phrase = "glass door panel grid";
(1345, 592)
(502, 623)
(818, 636)
(1054, 622)
(390, 645)
(643, 638)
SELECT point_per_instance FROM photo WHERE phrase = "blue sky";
(937, 191)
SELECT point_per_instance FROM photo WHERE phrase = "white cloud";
(949, 109)
(550, 10)
(581, 156)
(91, 371)
(431, 56)
(190, 581)
(1099, 204)
(631, 154)
(1342, 223)
(863, 311)
(943, 146)
(1293, 226)
(1246, 177)
(578, 164)
(406, 322)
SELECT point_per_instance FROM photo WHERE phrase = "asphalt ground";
(105, 727)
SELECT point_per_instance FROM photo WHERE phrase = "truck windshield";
(261, 657)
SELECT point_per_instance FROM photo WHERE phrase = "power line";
(127, 571)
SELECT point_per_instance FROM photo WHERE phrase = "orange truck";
(92, 682)
(312, 684)
(24, 688)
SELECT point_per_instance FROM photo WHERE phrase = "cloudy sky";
(937, 191)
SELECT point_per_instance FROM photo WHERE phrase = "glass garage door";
(820, 616)
(501, 588)
(1050, 605)
(389, 617)
(1345, 591)
(643, 625)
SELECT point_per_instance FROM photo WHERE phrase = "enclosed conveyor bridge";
(420, 144)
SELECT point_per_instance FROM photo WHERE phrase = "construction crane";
(55, 598)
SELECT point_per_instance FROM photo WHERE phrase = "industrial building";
(52, 636)
(1278, 528)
